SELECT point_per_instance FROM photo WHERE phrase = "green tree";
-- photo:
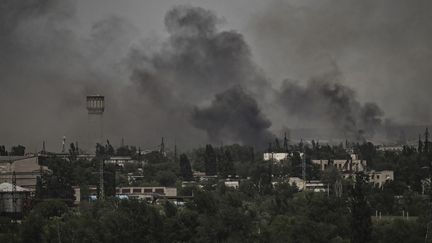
(32, 228)
(210, 161)
(57, 183)
(361, 222)
(18, 150)
(226, 164)
(261, 175)
(166, 178)
(185, 168)
(3, 151)
(73, 152)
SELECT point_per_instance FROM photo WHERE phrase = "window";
(137, 190)
(159, 190)
(125, 190)
(148, 190)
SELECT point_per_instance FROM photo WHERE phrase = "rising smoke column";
(234, 115)
(196, 62)
(384, 48)
(332, 105)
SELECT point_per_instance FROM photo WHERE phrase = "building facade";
(26, 170)
(8, 195)
(378, 178)
(275, 156)
(345, 165)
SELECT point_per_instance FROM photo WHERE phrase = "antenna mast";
(43, 148)
(64, 144)
(162, 147)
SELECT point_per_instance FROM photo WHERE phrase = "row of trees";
(249, 214)
(18, 150)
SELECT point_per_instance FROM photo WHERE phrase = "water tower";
(95, 108)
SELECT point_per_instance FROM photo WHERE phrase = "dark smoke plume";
(196, 62)
(332, 105)
(234, 115)
(178, 87)
(383, 48)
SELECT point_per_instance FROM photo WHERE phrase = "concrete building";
(142, 192)
(146, 193)
(120, 160)
(395, 148)
(275, 156)
(345, 165)
(26, 169)
(378, 178)
(232, 184)
(298, 182)
(7, 196)
(316, 186)
(313, 185)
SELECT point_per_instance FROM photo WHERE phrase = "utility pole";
(304, 167)
(43, 148)
(285, 143)
(101, 180)
(64, 144)
(162, 147)
(14, 199)
(175, 152)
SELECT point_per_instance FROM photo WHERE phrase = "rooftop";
(12, 158)
(7, 187)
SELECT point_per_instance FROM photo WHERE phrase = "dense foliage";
(265, 208)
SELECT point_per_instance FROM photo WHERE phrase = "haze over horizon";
(207, 71)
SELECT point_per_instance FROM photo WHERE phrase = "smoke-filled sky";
(212, 71)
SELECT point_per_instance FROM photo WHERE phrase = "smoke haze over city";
(205, 71)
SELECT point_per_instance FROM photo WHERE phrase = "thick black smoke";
(383, 48)
(331, 105)
(234, 115)
(200, 82)
(196, 62)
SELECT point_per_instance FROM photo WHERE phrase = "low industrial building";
(13, 199)
(25, 168)
(395, 148)
(353, 164)
(379, 178)
(298, 182)
(120, 160)
(275, 156)
(146, 193)
(302, 185)
(232, 184)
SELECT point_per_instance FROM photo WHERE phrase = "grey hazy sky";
(54, 57)
(382, 48)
